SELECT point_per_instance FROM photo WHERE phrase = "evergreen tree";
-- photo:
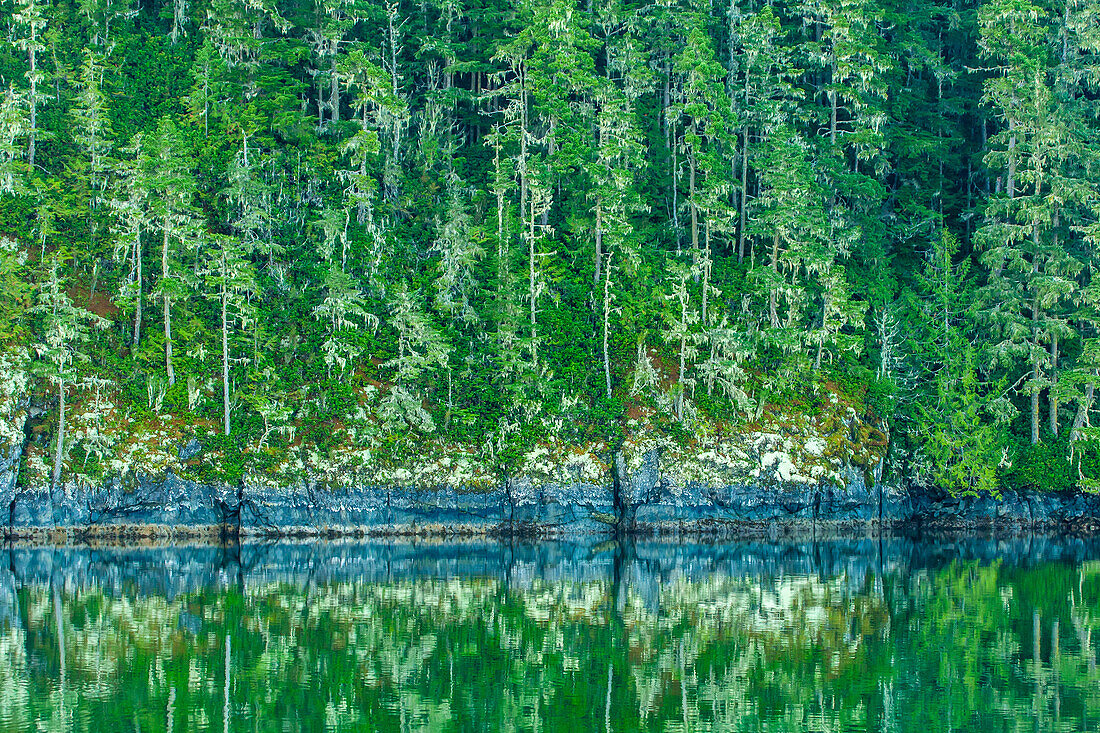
(420, 348)
(29, 24)
(961, 436)
(64, 328)
(13, 126)
(231, 280)
(344, 311)
(172, 189)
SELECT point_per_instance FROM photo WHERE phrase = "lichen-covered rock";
(784, 476)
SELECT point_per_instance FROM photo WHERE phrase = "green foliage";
(1043, 467)
(531, 217)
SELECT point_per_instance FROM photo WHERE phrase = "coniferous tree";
(172, 190)
(94, 132)
(344, 311)
(29, 23)
(420, 348)
(960, 438)
(13, 126)
(231, 280)
(64, 328)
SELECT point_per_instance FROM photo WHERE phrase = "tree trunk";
(1054, 385)
(773, 296)
(606, 324)
(1083, 407)
(821, 339)
(521, 164)
(832, 118)
(598, 258)
(531, 282)
(1011, 184)
(1035, 400)
(832, 141)
(334, 88)
(706, 268)
(744, 195)
(167, 313)
(33, 112)
(544, 217)
(683, 363)
(59, 452)
(694, 212)
(225, 351)
(137, 305)
(177, 13)
(1035, 347)
(675, 197)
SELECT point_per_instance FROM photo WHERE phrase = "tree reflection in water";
(605, 638)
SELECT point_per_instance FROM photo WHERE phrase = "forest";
(470, 220)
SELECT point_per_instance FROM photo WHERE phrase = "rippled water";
(831, 636)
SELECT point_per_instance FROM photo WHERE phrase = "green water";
(487, 638)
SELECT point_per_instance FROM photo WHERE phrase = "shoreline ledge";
(643, 502)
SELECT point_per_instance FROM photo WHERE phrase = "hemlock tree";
(172, 190)
(15, 290)
(13, 126)
(250, 201)
(420, 348)
(680, 322)
(64, 327)
(766, 95)
(791, 219)
(344, 312)
(960, 421)
(458, 254)
(536, 230)
(129, 206)
(102, 14)
(528, 169)
(1078, 385)
(29, 26)
(619, 161)
(964, 442)
(841, 314)
(178, 12)
(704, 114)
(728, 349)
(232, 281)
(1032, 276)
(94, 133)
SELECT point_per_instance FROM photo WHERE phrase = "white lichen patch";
(14, 385)
(815, 447)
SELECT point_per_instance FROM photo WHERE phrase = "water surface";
(965, 635)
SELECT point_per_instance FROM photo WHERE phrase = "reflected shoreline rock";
(641, 563)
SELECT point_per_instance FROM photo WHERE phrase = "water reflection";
(830, 636)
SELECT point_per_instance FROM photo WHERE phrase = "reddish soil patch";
(100, 304)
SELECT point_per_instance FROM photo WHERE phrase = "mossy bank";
(779, 474)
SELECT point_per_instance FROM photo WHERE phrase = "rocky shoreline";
(643, 501)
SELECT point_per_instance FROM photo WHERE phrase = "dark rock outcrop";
(633, 501)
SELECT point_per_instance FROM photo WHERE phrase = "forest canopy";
(461, 219)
